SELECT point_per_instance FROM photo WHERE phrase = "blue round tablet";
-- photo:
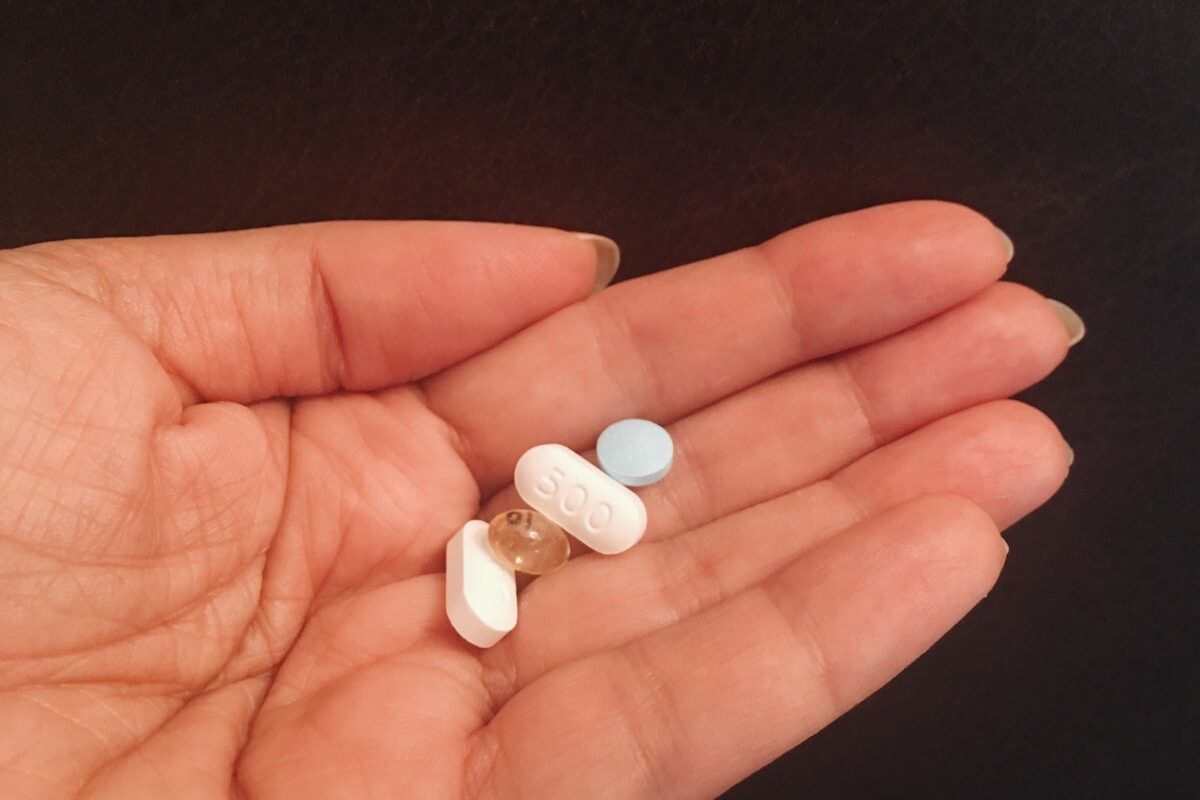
(635, 452)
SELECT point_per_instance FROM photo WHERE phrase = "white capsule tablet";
(481, 591)
(577, 495)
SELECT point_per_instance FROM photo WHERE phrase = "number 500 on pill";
(578, 496)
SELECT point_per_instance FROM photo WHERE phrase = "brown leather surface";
(686, 129)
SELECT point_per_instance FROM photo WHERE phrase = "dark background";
(687, 129)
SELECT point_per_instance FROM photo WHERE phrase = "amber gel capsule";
(528, 541)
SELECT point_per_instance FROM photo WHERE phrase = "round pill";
(635, 452)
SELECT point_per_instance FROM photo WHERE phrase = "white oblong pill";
(577, 495)
(481, 591)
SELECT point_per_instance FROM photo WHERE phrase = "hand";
(209, 591)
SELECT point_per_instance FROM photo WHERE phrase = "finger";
(805, 424)
(1005, 457)
(667, 344)
(689, 710)
(306, 309)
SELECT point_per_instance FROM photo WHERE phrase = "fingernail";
(1070, 320)
(1006, 547)
(1070, 455)
(1008, 246)
(608, 258)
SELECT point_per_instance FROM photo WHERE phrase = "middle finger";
(802, 426)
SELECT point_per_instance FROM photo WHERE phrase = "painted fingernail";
(1070, 320)
(608, 258)
(1008, 246)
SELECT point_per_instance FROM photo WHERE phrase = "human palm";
(210, 591)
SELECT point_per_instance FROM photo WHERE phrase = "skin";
(210, 591)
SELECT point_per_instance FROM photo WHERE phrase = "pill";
(481, 591)
(577, 495)
(635, 452)
(528, 541)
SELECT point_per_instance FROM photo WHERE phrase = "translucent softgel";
(528, 542)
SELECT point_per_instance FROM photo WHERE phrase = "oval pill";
(635, 452)
(577, 495)
(481, 591)
(527, 541)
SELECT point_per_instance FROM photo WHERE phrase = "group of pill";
(566, 494)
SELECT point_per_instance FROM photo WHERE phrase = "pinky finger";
(692, 709)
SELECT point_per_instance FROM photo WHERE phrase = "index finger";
(665, 345)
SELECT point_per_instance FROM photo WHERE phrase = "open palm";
(229, 465)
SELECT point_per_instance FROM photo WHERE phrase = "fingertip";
(607, 258)
(963, 527)
(977, 535)
(1055, 326)
(1009, 248)
(1071, 321)
(1030, 336)
(1004, 456)
(955, 549)
(932, 252)
(1029, 457)
(979, 240)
